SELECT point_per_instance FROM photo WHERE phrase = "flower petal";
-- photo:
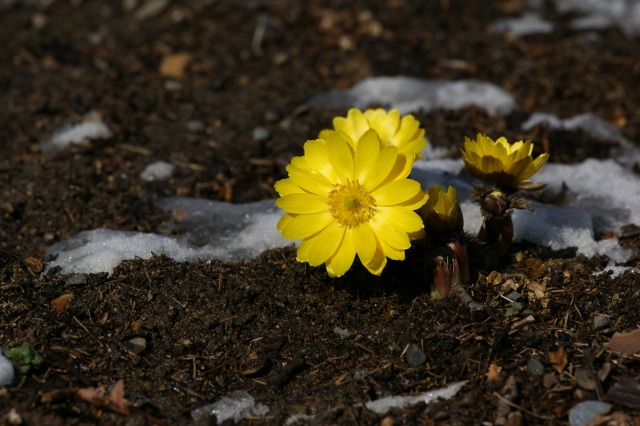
(297, 227)
(319, 248)
(341, 159)
(396, 192)
(402, 219)
(381, 167)
(303, 203)
(364, 241)
(315, 151)
(287, 187)
(341, 261)
(366, 153)
(309, 181)
(388, 232)
(354, 125)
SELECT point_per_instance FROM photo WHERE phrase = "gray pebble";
(601, 321)
(584, 412)
(415, 355)
(137, 345)
(260, 134)
(535, 367)
(78, 279)
(342, 332)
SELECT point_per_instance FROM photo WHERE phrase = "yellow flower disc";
(344, 199)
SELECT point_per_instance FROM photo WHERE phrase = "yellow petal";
(414, 203)
(390, 252)
(303, 203)
(319, 248)
(381, 167)
(297, 227)
(386, 124)
(364, 241)
(315, 152)
(366, 153)
(378, 262)
(396, 192)
(287, 186)
(310, 182)
(403, 219)
(389, 233)
(490, 164)
(341, 159)
(354, 125)
(341, 261)
(407, 132)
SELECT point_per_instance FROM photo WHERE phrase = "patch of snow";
(616, 271)
(411, 94)
(6, 371)
(211, 230)
(91, 128)
(527, 24)
(585, 412)
(160, 170)
(382, 405)
(237, 406)
(622, 13)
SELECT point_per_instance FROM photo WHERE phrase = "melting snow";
(410, 94)
(529, 23)
(382, 405)
(160, 170)
(91, 128)
(237, 406)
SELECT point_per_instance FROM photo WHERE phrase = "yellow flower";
(500, 162)
(442, 214)
(402, 132)
(342, 200)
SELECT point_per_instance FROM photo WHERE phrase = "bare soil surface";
(296, 340)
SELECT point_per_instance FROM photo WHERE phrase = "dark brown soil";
(268, 326)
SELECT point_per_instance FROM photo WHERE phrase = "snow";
(527, 24)
(597, 13)
(6, 371)
(160, 170)
(237, 406)
(411, 94)
(91, 128)
(209, 229)
(382, 405)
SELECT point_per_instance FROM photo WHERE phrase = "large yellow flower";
(342, 199)
(402, 132)
(442, 213)
(500, 162)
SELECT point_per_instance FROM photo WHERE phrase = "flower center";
(351, 204)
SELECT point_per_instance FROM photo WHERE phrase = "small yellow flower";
(442, 213)
(500, 162)
(402, 132)
(342, 200)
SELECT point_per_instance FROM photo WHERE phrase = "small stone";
(600, 322)
(137, 345)
(550, 380)
(260, 134)
(195, 126)
(360, 373)
(415, 355)
(271, 116)
(584, 412)
(535, 367)
(77, 279)
(342, 332)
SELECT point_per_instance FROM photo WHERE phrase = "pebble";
(137, 345)
(260, 134)
(77, 279)
(600, 322)
(415, 355)
(535, 367)
(195, 126)
(342, 332)
(360, 373)
(584, 412)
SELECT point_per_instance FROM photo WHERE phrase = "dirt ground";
(180, 336)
